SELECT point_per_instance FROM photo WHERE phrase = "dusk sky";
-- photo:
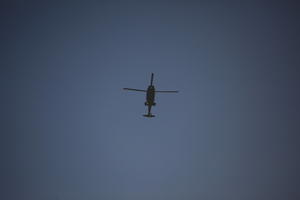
(71, 133)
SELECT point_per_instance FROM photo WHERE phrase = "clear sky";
(71, 132)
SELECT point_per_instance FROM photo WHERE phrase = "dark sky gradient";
(71, 132)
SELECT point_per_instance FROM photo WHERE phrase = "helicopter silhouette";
(150, 95)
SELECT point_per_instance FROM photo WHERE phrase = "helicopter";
(150, 95)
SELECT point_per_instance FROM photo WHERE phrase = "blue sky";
(71, 132)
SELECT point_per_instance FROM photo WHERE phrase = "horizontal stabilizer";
(149, 115)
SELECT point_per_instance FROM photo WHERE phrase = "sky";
(70, 132)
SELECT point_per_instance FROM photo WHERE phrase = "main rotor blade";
(167, 91)
(135, 89)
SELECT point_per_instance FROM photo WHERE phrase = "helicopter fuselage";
(150, 97)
